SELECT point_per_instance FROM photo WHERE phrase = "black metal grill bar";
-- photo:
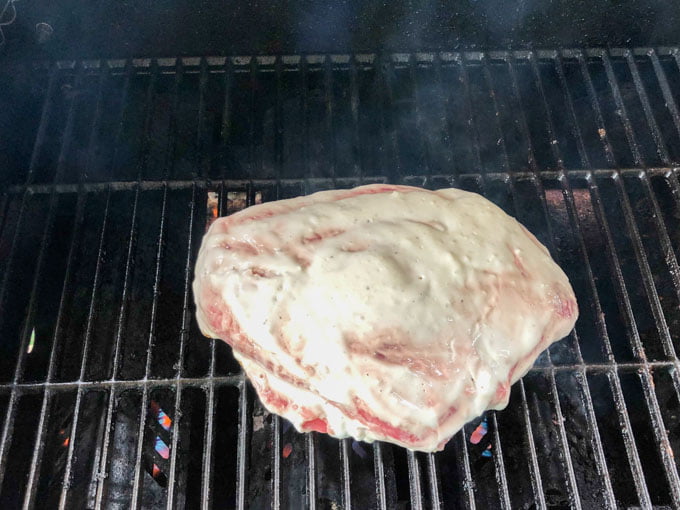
(535, 471)
(324, 183)
(626, 308)
(135, 502)
(608, 149)
(469, 114)
(581, 378)
(83, 364)
(665, 89)
(536, 481)
(186, 318)
(234, 380)
(647, 108)
(387, 71)
(573, 118)
(276, 475)
(463, 458)
(627, 126)
(415, 482)
(346, 474)
(8, 429)
(571, 477)
(379, 464)
(500, 465)
(45, 410)
(523, 124)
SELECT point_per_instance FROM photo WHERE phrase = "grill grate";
(110, 396)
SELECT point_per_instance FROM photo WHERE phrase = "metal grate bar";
(435, 490)
(417, 110)
(665, 89)
(664, 238)
(599, 119)
(276, 449)
(647, 108)
(501, 476)
(625, 120)
(225, 129)
(86, 345)
(186, 319)
(8, 427)
(278, 125)
(554, 145)
(536, 474)
(536, 481)
(572, 486)
(116, 357)
(468, 482)
(499, 129)
(523, 124)
(346, 474)
(316, 182)
(601, 463)
(304, 106)
(625, 305)
(469, 114)
(202, 162)
(137, 484)
(45, 410)
(242, 448)
(414, 481)
(446, 106)
(310, 441)
(354, 104)
(576, 131)
(387, 100)
(206, 481)
(328, 99)
(647, 276)
(645, 376)
(381, 492)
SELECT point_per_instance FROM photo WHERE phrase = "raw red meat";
(384, 312)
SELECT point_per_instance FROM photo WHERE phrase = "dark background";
(127, 28)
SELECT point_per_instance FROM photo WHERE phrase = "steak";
(386, 313)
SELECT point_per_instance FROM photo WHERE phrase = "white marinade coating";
(419, 306)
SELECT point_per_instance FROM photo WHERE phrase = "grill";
(109, 395)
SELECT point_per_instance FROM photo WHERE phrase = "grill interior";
(112, 398)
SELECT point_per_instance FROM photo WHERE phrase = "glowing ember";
(287, 450)
(161, 417)
(155, 471)
(487, 452)
(31, 342)
(164, 420)
(162, 448)
(65, 443)
(479, 432)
